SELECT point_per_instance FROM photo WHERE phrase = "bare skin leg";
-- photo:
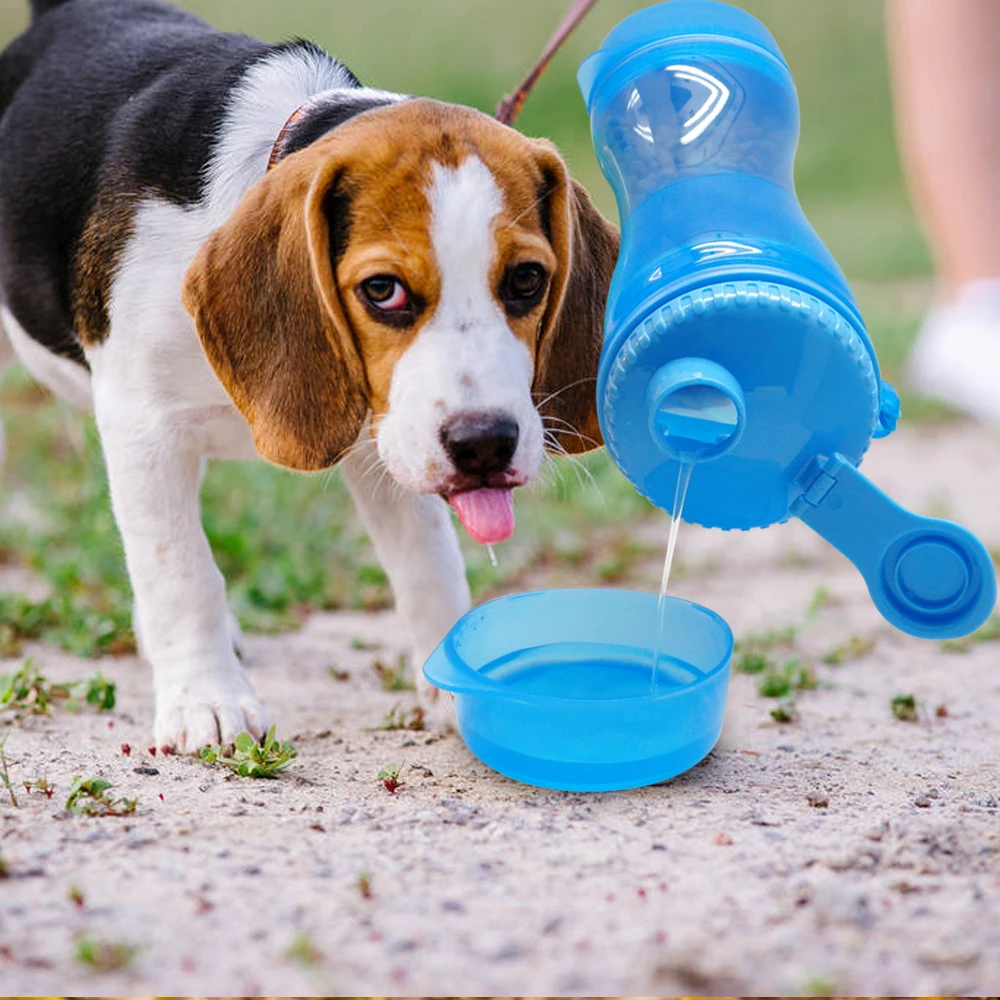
(945, 60)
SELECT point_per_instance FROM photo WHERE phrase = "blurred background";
(289, 544)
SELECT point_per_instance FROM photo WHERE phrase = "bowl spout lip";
(447, 669)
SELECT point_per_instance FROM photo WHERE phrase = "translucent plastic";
(553, 688)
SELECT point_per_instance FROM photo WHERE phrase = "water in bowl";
(587, 670)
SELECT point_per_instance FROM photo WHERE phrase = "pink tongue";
(487, 515)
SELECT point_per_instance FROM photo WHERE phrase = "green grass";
(27, 691)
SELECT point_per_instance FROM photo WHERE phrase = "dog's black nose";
(480, 444)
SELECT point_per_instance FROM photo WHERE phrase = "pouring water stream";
(680, 494)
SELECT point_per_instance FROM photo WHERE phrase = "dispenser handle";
(928, 577)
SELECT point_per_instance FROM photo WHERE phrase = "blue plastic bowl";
(553, 688)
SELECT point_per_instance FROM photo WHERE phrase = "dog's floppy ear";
(586, 247)
(264, 297)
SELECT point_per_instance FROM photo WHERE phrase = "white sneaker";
(956, 357)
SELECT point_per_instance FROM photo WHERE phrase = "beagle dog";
(231, 249)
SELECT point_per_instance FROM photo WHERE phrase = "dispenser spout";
(697, 410)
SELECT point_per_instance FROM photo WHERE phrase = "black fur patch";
(102, 102)
(39, 7)
(334, 110)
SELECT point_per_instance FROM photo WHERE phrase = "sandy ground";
(847, 851)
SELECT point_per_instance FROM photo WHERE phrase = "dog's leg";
(154, 469)
(416, 543)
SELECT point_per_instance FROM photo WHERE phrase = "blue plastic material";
(932, 574)
(554, 688)
(695, 123)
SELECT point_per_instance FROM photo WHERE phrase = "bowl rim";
(480, 686)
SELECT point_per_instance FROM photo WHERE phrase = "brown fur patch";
(565, 387)
(105, 237)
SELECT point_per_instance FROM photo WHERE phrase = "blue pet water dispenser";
(733, 342)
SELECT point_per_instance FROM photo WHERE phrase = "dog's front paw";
(207, 708)
(438, 706)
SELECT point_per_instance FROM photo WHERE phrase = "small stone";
(509, 953)
(818, 800)
(922, 802)
(146, 769)
(943, 955)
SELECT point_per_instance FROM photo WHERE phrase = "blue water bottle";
(732, 339)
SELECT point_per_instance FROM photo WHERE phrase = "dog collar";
(278, 149)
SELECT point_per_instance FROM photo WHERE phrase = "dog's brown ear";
(264, 298)
(586, 247)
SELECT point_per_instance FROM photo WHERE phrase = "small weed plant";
(251, 759)
(785, 711)
(28, 691)
(390, 777)
(755, 653)
(393, 678)
(303, 952)
(363, 884)
(403, 718)
(40, 785)
(5, 772)
(904, 708)
(780, 682)
(105, 956)
(849, 651)
(89, 797)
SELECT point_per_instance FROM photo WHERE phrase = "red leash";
(510, 107)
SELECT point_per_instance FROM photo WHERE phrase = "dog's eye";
(525, 281)
(522, 287)
(386, 293)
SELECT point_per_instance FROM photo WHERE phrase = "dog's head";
(431, 268)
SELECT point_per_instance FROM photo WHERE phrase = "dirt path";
(847, 851)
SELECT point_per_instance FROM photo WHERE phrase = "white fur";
(263, 101)
(465, 357)
(416, 543)
(63, 377)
